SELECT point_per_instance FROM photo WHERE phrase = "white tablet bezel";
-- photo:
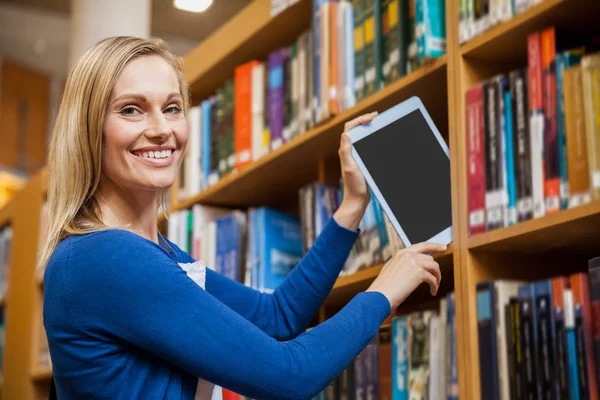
(385, 118)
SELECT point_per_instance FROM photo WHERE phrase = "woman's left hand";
(356, 192)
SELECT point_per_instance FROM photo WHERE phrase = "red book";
(243, 113)
(475, 160)
(229, 395)
(551, 146)
(583, 310)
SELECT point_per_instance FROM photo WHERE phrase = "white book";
(443, 353)
(324, 40)
(504, 291)
(435, 350)
(193, 173)
(536, 129)
(259, 147)
(341, 81)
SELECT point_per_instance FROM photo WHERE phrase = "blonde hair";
(75, 157)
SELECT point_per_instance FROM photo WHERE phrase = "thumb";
(346, 149)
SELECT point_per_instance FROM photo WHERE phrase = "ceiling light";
(192, 5)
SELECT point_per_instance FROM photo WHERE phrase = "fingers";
(433, 268)
(426, 248)
(363, 119)
(428, 277)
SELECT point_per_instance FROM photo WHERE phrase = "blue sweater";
(124, 321)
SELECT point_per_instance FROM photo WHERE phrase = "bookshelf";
(535, 249)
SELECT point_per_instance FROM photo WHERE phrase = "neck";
(134, 210)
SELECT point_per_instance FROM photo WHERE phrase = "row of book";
(412, 356)
(352, 50)
(477, 16)
(536, 340)
(5, 251)
(533, 135)
(377, 241)
(258, 247)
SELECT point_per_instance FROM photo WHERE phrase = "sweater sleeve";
(288, 311)
(164, 312)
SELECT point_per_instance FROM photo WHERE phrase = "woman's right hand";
(406, 270)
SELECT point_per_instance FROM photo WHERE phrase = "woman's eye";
(128, 111)
(173, 110)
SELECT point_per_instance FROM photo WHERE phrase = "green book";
(373, 47)
(359, 49)
(398, 38)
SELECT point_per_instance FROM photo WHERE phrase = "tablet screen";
(412, 172)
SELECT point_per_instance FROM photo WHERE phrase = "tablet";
(406, 163)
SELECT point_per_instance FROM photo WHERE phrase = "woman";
(128, 314)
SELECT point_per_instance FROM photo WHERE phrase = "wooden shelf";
(7, 213)
(576, 229)
(493, 45)
(250, 35)
(347, 287)
(41, 374)
(276, 178)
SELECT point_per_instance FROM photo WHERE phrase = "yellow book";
(591, 89)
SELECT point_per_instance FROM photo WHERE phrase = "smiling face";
(145, 128)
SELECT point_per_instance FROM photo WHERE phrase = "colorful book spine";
(546, 336)
(536, 122)
(571, 341)
(574, 119)
(594, 280)
(486, 325)
(521, 144)
(563, 61)
(350, 76)
(511, 189)
(476, 179)
(359, 49)
(551, 144)
(495, 186)
(430, 24)
(591, 88)
(559, 286)
(276, 98)
(243, 114)
(400, 357)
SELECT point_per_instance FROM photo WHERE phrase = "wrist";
(349, 214)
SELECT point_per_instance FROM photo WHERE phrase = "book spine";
(536, 128)
(517, 350)
(591, 87)
(400, 357)
(370, 47)
(453, 373)
(214, 142)
(359, 49)
(333, 59)
(288, 110)
(316, 34)
(571, 341)
(579, 175)
(385, 38)
(583, 328)
(276, 99)
(551, 145)
(494, 174)
(562, 61)
(559, 285)
(349, 93)
(243, 114)
(545, 326)
(432, 32)
(594, 280)
(509, 159)
(486, 323)
(476, 161)
(230, 126)
(521, 144)
(527, 346)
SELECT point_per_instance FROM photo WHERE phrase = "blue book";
(206, 106)
(280, 246)
(430, 23)
(400, 328)
(509, 154)
(229, 245)
(572, 366)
